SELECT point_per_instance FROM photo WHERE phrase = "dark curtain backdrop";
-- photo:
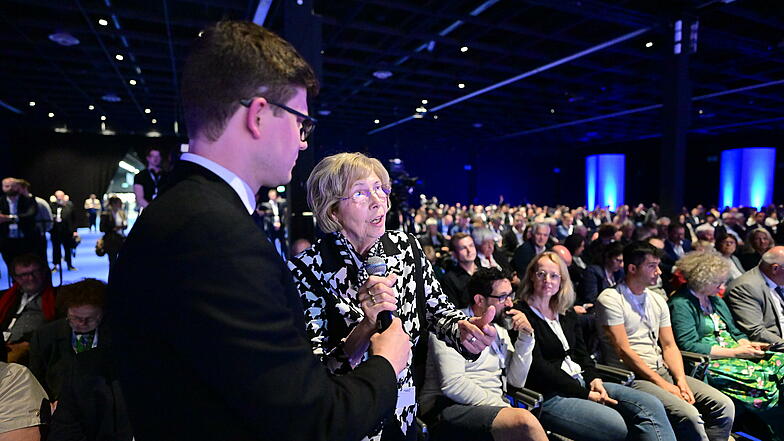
(77, 163)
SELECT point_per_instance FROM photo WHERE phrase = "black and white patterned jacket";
(332, 309)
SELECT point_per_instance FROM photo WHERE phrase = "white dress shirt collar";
(246, 194)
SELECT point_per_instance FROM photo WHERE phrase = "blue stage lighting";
(605, 177)
(747, 177)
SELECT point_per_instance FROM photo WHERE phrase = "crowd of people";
(205, 333)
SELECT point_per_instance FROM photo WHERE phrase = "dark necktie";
(780, 292)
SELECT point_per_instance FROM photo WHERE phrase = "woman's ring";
(472, 339)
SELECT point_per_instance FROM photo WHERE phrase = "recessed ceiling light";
(376, 121)
(64, 39)
(147, 110)
(103, 117)
(649, 44)
(552, 110)
(102, 22)
(154, 121)
(32, 103)
(118, 57)
(51, 115)
(132, 82)
(424, 101)
(461, 85)
(464, 49)
(201, 33)
(91, 107)
(417, 115)
(382, 74)
(701, 112)
(435, 116)
(421, 109)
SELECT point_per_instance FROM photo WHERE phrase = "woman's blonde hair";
(332, 177)
(703, 269)
(564, 298)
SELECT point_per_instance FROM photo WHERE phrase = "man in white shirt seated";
(638, 336)
(464, 399)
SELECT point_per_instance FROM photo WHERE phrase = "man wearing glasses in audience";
(54, 346)
(26, 306)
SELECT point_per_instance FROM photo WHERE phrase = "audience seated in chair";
(54, 346)
(638, 336)
(702, 323)
(464, 400)
(578, 404)
(756, 299)
(27, 305)
(24, 406)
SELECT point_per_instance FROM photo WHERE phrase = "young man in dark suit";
(208, 329)
(63, 229)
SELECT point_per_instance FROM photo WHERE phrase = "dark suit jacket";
(546, 375)
(26, 209)
(51, 354)
(91, 406)
(751, 305)
(510, 242)
(68, 215)
(208, 331)
(593, 283)
(524, 254)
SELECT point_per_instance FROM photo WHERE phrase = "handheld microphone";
(376, 266)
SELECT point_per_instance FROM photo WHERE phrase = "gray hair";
(480, 235)
(330, 180)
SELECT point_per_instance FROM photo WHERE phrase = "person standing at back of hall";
(147, 182)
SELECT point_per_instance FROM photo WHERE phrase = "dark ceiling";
(740, 45)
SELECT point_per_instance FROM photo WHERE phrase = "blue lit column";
(605, 177)
(747, 177)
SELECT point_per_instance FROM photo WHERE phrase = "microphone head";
(376, 266)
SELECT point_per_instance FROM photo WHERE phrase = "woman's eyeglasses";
(363, 196)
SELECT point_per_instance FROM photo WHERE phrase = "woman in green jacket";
(702, 323)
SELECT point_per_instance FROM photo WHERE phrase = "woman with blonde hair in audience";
(344, 299)
(578, 404)
(702, 323)
(758, 242)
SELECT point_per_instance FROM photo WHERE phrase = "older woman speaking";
(343, 294)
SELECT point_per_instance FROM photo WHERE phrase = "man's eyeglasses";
(541, 275)
(307, 125)
(502, 298)
(85, 320)
(34, 273)
(363, 196)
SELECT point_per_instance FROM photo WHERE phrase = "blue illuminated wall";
(747, 177)
(604, 180)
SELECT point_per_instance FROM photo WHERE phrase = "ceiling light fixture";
(375, 121)
(32, 103)
(461, 86)
(552, 110)
(118, 57)
(103, 22)
(51, 115)
(154, 121)
(417, 115)
(464, 49)
(111, 98)
(64, 39)
(132, 82)
(91, 107)
(147, 110)
(421, 109)
(103, 117)
(382, 74)
(649, 44)
(424, 101)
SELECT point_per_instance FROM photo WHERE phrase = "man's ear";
(479, 299)
(253, 118)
